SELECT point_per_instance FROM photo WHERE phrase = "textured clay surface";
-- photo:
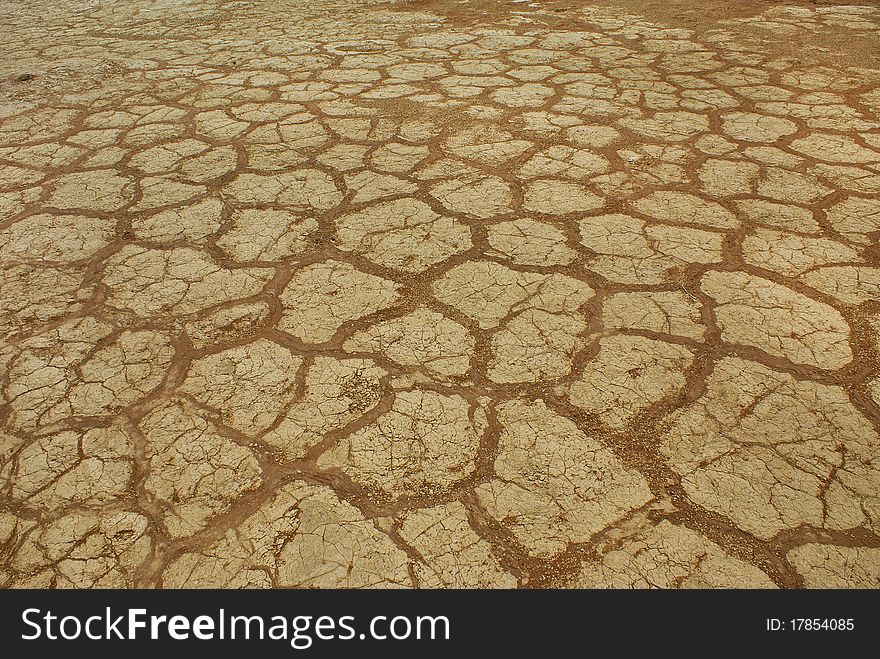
(434, 293)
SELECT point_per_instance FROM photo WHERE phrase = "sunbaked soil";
(439, 294)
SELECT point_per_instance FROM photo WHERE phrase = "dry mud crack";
(439, 294)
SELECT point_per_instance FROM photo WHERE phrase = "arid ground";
(343, 293)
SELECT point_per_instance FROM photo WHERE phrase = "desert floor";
(439, 294)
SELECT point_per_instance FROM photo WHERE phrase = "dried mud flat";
(439, 294)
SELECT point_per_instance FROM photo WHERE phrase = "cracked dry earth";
(439, 294)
